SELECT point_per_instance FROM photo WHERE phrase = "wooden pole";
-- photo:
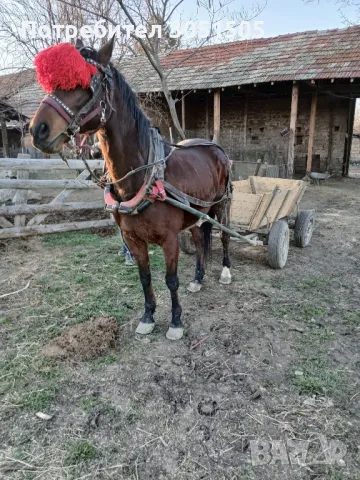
(183, 113)
(216, 138)
(311, 131)
(10, 210)
(16, 232)
(21, 198)
(246, 118)
(47, 164)
(293, 119)
(207, 133)
(34, 184)
(331, 127)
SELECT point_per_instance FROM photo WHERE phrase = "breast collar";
(101, 101)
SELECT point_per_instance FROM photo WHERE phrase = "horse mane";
(134, 113)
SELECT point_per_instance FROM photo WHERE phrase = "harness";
(154, 186)
(102, 88)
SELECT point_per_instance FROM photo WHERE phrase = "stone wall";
(355, 149)
(266, 118)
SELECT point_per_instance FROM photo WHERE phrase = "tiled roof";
(27, 99)
(299, 56)
(11, 83)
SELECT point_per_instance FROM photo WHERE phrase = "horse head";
(78, 82)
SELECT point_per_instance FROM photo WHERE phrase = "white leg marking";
(174, 333)
(225, 277)
(194, 287)
(145, 328)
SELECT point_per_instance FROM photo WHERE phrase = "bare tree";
(349, 10)
(15, 13)
(143, 12)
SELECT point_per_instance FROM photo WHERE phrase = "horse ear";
(79, 43)
(105, 52)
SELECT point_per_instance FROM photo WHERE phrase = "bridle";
(101, 101)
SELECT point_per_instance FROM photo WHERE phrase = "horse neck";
(122, 153)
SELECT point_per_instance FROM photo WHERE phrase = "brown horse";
(199, 171)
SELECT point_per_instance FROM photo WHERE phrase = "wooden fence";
(22, 184)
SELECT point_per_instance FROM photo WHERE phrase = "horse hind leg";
(196, 284)
(222, 212)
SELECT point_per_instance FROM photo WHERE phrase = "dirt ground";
(266, 365)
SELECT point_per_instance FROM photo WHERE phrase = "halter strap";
(102, 88)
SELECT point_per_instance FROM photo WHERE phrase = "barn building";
(289, 99)
(285, 100)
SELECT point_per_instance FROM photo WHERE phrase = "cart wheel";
(278, 244)
(186, 243)
(304, 227)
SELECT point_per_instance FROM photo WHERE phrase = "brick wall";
(266, 118)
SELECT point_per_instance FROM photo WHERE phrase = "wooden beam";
(63, 195)
(245, 118)
(207, 124)
(34, 184)
(349, 135)
(331, 128)
(311, 131)
(25, 209)
(183, 113)
(16, 232)
(46, 164)
(216, 138)
(293, 119)
(21, 198)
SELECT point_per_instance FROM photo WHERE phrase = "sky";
(279, 17)
(289, 16)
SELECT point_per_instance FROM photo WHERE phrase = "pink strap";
(91, 115)
(53, 103)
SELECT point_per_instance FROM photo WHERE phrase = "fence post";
(21, 196)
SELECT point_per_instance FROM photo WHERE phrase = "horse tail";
(206, 229)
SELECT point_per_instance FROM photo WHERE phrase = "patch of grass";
(280, 311)
(39, 401)
(315, 283)
(72, 239)
(353, 318)
(309, 311)
(81, 451)
(89, 403)
(98, 363)
(318, 378)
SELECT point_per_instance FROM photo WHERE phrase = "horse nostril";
(43, 131)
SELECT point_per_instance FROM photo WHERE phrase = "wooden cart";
(261, 210)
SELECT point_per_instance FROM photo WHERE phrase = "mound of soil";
(82, 342)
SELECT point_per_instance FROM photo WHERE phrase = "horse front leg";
(171, 250)
(139, 249)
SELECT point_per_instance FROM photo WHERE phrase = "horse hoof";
(194, 287)
(225, 278)
(145, 328)
(174, 333)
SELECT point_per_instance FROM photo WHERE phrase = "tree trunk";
(4, 136)
(172, 108)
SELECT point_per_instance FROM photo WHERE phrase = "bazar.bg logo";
(317, 451)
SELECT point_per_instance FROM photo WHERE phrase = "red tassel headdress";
(62, 67)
